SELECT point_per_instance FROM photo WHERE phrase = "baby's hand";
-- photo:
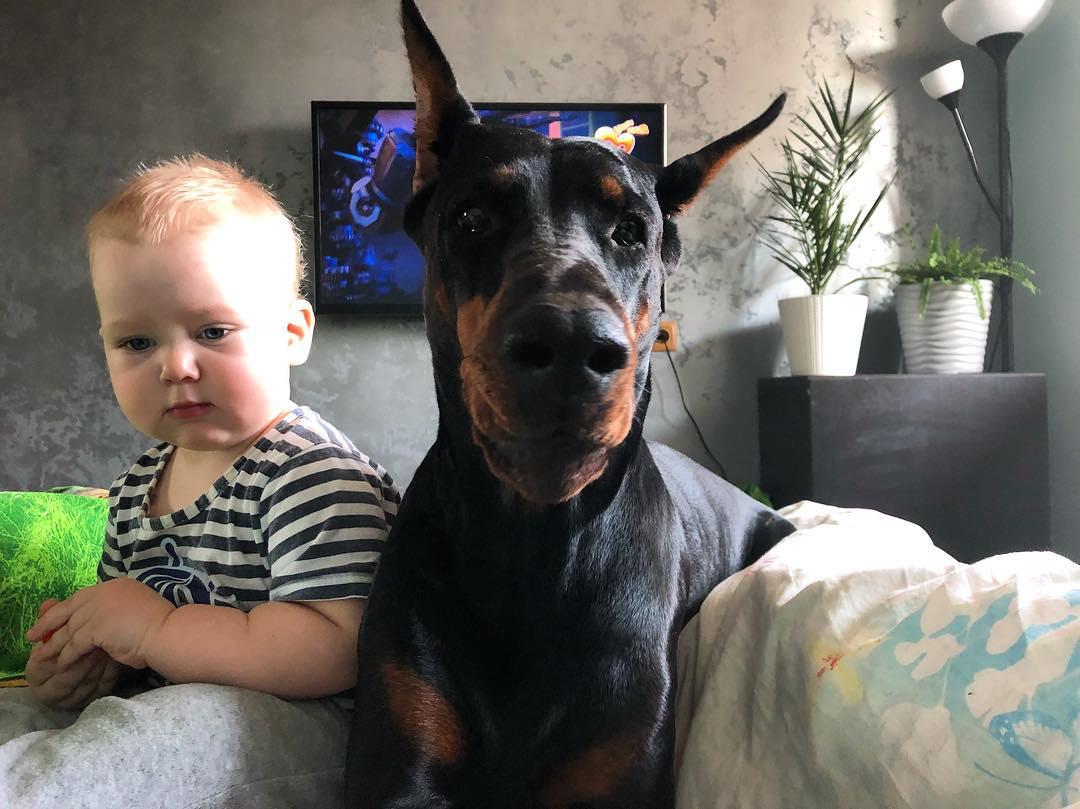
(91, 676)
(116, 616)
(88, 678)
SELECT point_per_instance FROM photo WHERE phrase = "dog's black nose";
(548, 344)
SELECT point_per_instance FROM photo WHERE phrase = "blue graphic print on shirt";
(176, 582)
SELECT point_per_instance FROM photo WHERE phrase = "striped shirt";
(302, 515)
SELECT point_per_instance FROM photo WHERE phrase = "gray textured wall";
(89, 89)
(1045, 115)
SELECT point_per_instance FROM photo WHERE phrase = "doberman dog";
(518, 648)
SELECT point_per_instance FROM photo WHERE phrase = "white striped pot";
(949, 337)
(823, 333)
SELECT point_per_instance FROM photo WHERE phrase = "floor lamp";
(995, 26)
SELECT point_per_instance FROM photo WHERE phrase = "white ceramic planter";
(950, 337)
(823, 333)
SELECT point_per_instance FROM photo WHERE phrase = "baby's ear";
(301, 326)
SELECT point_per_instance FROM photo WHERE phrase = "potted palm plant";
(943, 303)
(814, 229)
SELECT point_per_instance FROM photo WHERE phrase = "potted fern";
(943, 303)
(814, 229)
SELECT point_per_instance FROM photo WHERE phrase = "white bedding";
(858, 666)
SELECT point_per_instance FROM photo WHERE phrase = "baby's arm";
(290, 649)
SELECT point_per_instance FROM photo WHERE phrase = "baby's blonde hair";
(182, 195)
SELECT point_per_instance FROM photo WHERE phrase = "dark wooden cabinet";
(965, 456)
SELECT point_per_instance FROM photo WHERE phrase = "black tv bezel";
(416, 310)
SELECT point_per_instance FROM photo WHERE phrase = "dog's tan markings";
(473, 320)
(619, 402)
(423, 714)
(503, 175)
(440, 297)
(592, 774)
(611, 188)
(644, 318)
(620, 411)
(484, 397)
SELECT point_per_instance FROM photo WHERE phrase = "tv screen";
(364, 154)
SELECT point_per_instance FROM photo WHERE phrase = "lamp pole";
(998, 47)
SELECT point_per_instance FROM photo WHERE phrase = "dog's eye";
(629, 232)
(471, 219)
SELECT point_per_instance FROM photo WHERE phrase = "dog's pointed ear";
(679, 184)
(440, 108)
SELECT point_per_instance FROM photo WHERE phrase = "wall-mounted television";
(364, 153)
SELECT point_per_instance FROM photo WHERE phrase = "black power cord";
(662, 337)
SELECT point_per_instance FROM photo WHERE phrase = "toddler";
(239, 549)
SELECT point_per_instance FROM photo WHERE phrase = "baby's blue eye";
(137, 343)
(214, 332)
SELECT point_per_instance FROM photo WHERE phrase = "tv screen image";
(364, 154)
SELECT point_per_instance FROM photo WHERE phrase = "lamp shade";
(948, 78)
(974, 20)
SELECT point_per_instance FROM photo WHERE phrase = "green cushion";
(50, 545)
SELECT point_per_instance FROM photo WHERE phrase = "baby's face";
(200, 331)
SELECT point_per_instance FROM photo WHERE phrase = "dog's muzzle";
(556, 396)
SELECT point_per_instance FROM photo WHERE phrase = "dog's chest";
(584, 618)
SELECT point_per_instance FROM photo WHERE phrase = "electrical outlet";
(671, 327)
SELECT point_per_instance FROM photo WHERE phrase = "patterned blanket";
(856, 665)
